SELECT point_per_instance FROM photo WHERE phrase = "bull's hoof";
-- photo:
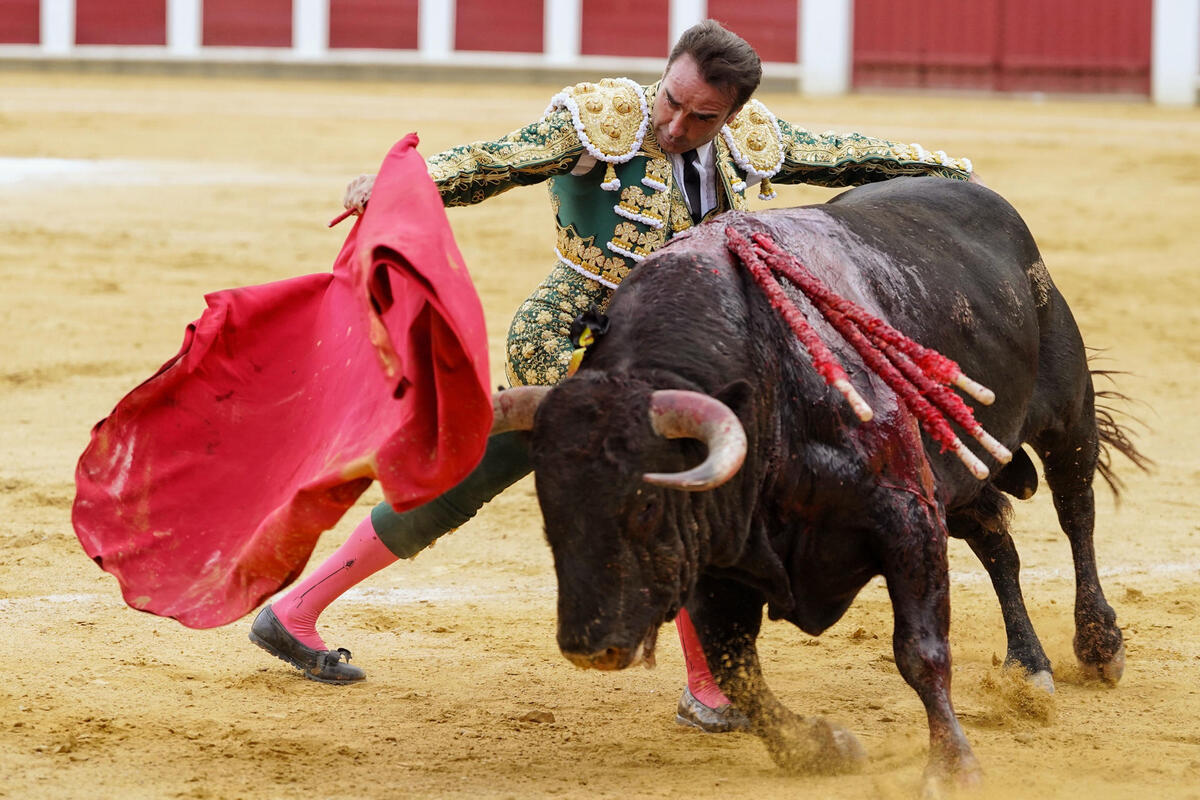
(1043, 680)
(951, 772)
(941, 786)
(816, 746)
(1108, 671)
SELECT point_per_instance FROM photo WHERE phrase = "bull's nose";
(610, 658)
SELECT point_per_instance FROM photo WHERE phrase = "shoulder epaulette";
(611, 118)
(756, 144)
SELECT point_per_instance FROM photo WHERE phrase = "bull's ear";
(738, 396)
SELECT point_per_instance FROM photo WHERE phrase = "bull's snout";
(610, 658)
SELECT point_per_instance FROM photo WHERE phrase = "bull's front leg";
(918, 582)
(727, 617)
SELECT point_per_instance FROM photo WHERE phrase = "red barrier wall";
(770, 26)
(238, 23)
(20, 22)
(514, 26)
(121, 22)
(639, 28)
(379, 24)
(1093, 46)
(1006, 45)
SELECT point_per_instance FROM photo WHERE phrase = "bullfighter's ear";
(738, 396)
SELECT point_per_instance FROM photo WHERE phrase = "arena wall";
(1136, 47)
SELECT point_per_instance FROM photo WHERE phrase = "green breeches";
(505, 462)
(539, 338)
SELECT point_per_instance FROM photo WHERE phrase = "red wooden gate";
(20, 22)
(236, 23)
(771, 26)
(120, 22)
(1004, 45)
(638, 28)
(514, 26)
(379, 24)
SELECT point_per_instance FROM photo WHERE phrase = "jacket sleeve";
(472, 173)
(848, 159)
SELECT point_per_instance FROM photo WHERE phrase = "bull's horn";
(512, 409)
(679, 414)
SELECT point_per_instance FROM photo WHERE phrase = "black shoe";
(722, 719)
(317, 665)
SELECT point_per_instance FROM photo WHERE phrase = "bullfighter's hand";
(973, 178)
(358, 192)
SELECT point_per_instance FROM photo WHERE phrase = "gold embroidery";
(611, 115)
(659, 170)
(583, 252)
(642, 243)
(735, 187)
(681, 218)
(853, 150)
(540, 353)
(755, 140)
(649, 207)
(474, 172)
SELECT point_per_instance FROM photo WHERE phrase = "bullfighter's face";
(688, 111)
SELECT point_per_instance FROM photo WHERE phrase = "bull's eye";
(646, 511)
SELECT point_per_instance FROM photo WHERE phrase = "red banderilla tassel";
(823, 360)
(931, 362)
(915, 373)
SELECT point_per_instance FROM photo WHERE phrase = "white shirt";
(708, 184)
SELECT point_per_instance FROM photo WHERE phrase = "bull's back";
(953, 266)
(950, 264)
(946, 259)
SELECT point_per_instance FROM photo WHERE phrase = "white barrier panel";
(310, 28)
(435, 29)
(183, 27)
(826, 44)
(58, 26)
(561, 29)
(1175, 53)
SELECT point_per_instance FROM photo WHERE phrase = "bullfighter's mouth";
(614, 658)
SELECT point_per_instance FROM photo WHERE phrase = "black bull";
(822, 502)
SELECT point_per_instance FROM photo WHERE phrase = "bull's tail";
(1114, 433)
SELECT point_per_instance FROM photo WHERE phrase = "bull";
(696, 459)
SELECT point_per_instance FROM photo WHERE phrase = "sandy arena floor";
(190, 185)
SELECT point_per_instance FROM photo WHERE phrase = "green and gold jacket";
(613, 215)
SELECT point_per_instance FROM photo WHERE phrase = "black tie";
(691, 184)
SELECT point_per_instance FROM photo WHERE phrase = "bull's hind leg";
(1069, 460)
(984, 525)
(918, 582)
(727, 618)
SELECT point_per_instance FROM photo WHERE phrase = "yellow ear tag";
(585, 339)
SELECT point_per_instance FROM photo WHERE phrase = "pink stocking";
(699, 679)
(361, 556)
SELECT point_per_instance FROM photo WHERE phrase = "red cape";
(207, 487)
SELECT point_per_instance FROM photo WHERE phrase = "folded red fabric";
(206, 488)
